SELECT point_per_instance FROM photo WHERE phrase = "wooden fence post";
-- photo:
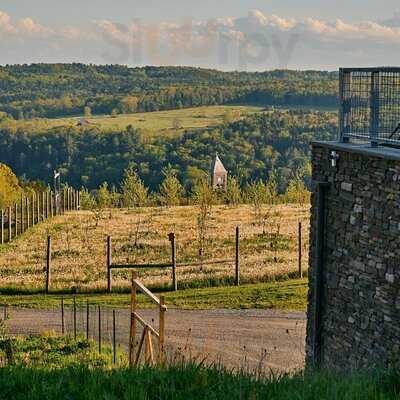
(54, 204)
(48, 264)
(47, 204)
(237, 262)
(74, 310)
(300, 252)
(9, 224)
(43, 206)
(87, 319)
(161, 331)
(33, 209)
(63, 201)
(99, 329)
(51, 205)
(132, 331)
(37, 207)
(62, 316)
(173, 256)
(16, 219)
(109, 284)
(21, 213)
(114, 340)
(27, 213)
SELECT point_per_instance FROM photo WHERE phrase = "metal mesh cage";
(370, 105)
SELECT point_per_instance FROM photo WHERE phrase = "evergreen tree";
(171, 190)
(204, 197)
(134, 193)
(233, 192)
(296, 192)
(103, 196)
(272, 188)
(87, 200)
(257, 195)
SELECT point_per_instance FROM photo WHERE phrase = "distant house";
(219, 175)
(83, 122)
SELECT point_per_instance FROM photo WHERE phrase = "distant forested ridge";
(58, 90)
(250, 149)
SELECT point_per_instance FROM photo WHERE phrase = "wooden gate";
(146, 342)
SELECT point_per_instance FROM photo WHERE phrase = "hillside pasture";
(141, 236)
(159, 123)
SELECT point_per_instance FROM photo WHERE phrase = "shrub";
(171, 190)
(134, 193)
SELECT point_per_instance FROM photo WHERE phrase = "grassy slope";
(286, 295)
(151, 123)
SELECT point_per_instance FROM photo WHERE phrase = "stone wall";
(360, 314)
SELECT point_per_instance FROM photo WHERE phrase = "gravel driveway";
(237, 338)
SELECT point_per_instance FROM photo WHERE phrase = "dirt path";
(237, 338)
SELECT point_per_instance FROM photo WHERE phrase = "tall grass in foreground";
(50, 367)
(189, 381)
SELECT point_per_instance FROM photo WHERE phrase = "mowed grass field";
(161, 123)
(288, 295)
(141, 236)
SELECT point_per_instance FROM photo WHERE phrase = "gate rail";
(173, 264)
(148, 330)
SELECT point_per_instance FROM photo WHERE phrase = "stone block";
(389, 278)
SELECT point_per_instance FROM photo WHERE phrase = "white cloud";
(28, 27)
(5, 23)
(220, 43)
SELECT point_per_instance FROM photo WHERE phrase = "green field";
(165, 123)
(289, 295)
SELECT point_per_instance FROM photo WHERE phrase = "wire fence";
(235, 338)
(370, 105)
(77, 319)
(34, 209)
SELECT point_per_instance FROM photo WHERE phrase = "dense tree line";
(134, 193)
(55, 90)
(275, 140)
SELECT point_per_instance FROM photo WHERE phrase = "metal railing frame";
(374, 135)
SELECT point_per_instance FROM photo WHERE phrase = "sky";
(224, 34)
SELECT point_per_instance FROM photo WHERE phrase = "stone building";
(354, 289)
(219, 175)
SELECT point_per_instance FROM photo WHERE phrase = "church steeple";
(219, 175)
